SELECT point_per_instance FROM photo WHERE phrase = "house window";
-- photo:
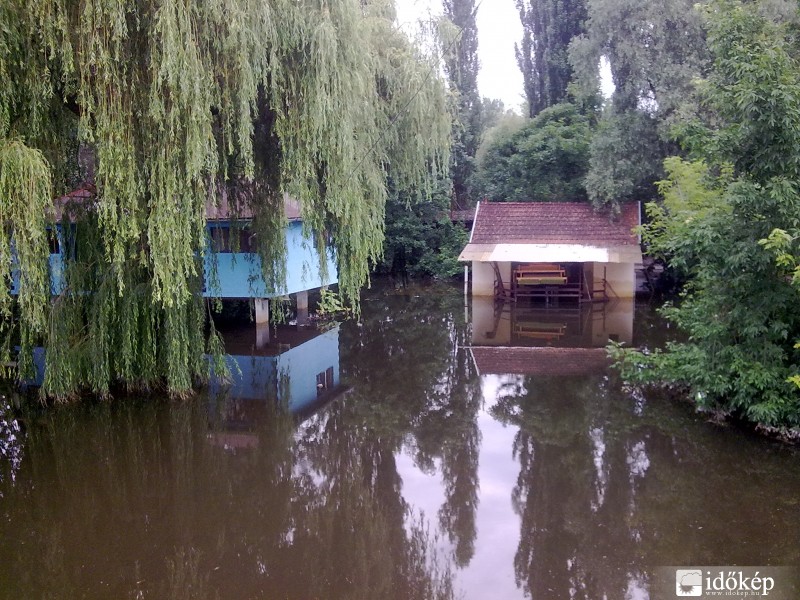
(324, 381)
(52, 241)
(223, 238)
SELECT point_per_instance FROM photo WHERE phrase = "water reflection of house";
(552, 251)
(560, 362)
(586, 325)
(536, 339)
(298, 370)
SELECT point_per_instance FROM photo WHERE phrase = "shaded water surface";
(427, 452)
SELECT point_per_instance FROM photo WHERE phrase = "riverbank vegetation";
(729, 221)
(703, 125)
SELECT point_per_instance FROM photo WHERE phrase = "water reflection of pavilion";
(297, 371)
(575, 480)
(531, 339)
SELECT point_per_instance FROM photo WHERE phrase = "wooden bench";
(539, 274)
(540, 331)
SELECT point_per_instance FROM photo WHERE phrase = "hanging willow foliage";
(181, 105)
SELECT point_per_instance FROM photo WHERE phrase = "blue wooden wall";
(239, 273)
(56, 264)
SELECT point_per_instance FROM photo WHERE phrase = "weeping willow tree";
(183, 105)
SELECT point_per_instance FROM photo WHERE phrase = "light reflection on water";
(413, 467)
(12, 440)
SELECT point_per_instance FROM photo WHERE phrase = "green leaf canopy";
(173, 106)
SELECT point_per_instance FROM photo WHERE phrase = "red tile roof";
(220, 212)
(224, 212)
(500, 360)
(553, 223)
(76, 198)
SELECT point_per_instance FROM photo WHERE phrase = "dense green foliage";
(729, 220)
(25, 191)
(184, 105)
(548, 26)
(625, 158)
(421, 239)
(461, 66)
(546, 159)
(654, 50)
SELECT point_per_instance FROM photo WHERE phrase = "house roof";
(552, 232)
(220, 212)
(552, 223)
(77, 197)
(497, 360)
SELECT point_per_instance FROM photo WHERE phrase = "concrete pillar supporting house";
(262, 335)
(262, 321)
(262, 310)
(302, 307)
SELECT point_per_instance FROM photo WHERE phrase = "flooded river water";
(428, 451)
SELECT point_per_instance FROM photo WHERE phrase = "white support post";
(262, 322)
(262, 310)
(466, 293)
(302, 307)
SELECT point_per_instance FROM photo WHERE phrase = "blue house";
(55, 241)
(55, 261)
(231, 270)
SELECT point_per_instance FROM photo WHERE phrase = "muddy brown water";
(428, 451)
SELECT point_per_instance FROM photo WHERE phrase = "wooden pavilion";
(552, 250)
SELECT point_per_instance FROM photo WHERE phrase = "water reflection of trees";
(575, 538)
(417, 386)
(611, 486)
(133, 501)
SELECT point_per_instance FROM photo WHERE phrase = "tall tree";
(544, 160)
(184, 104)
(461, 67)
(421, 239)
(548, 26)
(655, 50)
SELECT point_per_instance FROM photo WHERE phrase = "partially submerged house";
(232, 270)
(553, 250)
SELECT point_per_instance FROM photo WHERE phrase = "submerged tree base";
(635, 366)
